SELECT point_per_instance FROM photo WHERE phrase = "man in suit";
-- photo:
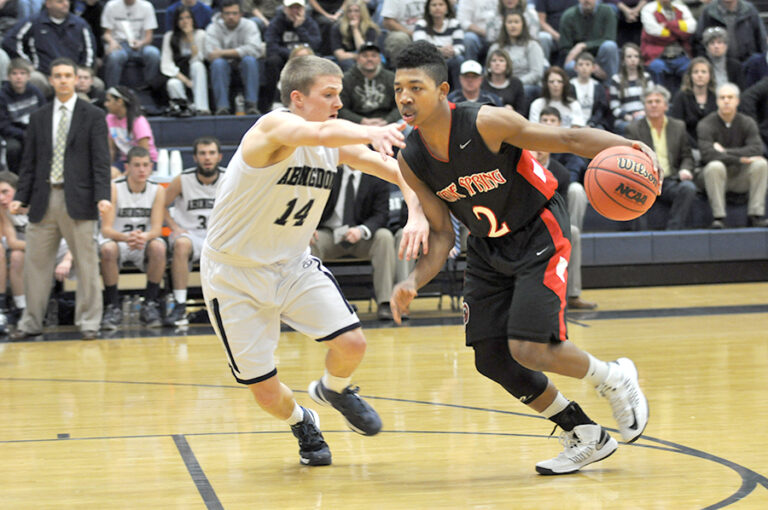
(354, 222)
(64, 181)
(668, 137)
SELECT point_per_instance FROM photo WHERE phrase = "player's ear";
(444, 89)
(297, 98)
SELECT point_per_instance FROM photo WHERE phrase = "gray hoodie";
(245, 38)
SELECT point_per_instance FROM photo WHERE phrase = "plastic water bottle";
(126, 308)
(175, 164)
(163, 163)
(239, 104)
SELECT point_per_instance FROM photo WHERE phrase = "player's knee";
(156, 249)
(17, 260)
(528, 354)
(108, 252)
(266, 395)
(351, 344)
(182, 248)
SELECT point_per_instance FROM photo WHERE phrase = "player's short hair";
(425, 56)
(300, 74)
(205, 140)
(551, 110)
(659, 90)
(11, 178)
(137, 152)
(20, 63)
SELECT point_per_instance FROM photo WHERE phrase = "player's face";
(139, 168)
(6, 194)
(417, 95)
(207, 157)
(700, 75)
(323, 101)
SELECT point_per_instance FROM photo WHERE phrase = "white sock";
(334, 383)
(556, 406)
(597, 372)
(180, 296)
(296, 416)
(20, 301)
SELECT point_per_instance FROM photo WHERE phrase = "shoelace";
(309, 435)
(575, 449)
(622, 410)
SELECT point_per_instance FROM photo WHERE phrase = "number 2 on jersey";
(300, 215)
(494, 231)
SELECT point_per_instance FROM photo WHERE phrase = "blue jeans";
(149, 56)
(475, 46)
(669, 72)
(607, 58)
(221, 77)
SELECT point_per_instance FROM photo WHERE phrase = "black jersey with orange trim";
(491, 193)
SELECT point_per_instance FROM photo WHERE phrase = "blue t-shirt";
(554, 9)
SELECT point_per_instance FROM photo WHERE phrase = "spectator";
(591, 95)
(696, 98)
(528, 59)
(86, 88)
(367, 90)
(475, 18)
(745, 29)
(127, 127)
(183, 62)
(628, 26)
(233, 45)
(64, 180)
(550, 12)
(400, 17)
(90, 11)
(590, 27)
(731, 151)
(192, 195)
(726, 69)
(667, 29)
(48, 35)
(261, 11)
(496, 25)
(440, 27)
(130, 232)
(18, 99)
(288, 29)
(471, 79)
(754, 102)
(353, 29)
(500, 81)
(128, 29)
(627, 88)
(669, 139)
(354, 222)
(556, 92)
(325, 13)
(201, 13)
(755, 68)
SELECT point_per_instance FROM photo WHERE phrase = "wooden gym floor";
(143, 421)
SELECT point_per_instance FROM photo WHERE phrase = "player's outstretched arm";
(441, 237)
(416, 230)
(499, 125)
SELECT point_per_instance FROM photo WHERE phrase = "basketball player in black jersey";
(472, 160)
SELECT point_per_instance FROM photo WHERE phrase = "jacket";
(660, 32)
(281, 36)
(15, 109)
(593, 30)
(749, 30)
(678, 150)
(362, 97)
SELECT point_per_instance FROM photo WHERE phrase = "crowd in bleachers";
(652, 70)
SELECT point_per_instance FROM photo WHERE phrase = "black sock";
(110, 295)
(153, 290)
(570, 417)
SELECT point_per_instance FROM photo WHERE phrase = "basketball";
(621, 183)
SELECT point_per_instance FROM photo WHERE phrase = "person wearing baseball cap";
(367, 90)
(470, 79)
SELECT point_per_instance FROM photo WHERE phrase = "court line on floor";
(750, 479)
(196, 472)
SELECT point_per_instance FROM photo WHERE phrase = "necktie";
(57, 162)
(349, 202)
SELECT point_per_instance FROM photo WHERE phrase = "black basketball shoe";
(359, 415)
(313, 450)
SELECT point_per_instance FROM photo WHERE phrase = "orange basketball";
(621, 183)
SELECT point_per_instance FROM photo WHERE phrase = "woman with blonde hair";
(353, 28)
(696, 98)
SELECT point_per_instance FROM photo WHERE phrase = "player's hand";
(415, 237)
(402, 295)
(104, 206)
(384, 138)
(652, 155)
(315, 238)
(15, 207)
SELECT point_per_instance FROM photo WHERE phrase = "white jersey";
(134, 209)
(193, 206)
(267, 215)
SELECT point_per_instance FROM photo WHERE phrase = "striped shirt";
(452, 34)
(631, 100)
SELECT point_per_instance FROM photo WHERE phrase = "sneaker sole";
(315, 395)
(630, 364)
(610, 444)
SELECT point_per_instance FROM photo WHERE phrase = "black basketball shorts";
(515, 286)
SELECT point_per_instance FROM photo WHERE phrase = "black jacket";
(371, 202)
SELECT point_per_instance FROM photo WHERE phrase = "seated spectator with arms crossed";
(18, 99)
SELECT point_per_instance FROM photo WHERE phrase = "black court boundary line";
(578, 318)
(196, 472)
(750, 479)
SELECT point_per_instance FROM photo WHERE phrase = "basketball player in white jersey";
(130, 232)
(256, 268)
(192, 195)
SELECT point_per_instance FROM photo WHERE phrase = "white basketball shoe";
(630, 407)
(584, 445)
